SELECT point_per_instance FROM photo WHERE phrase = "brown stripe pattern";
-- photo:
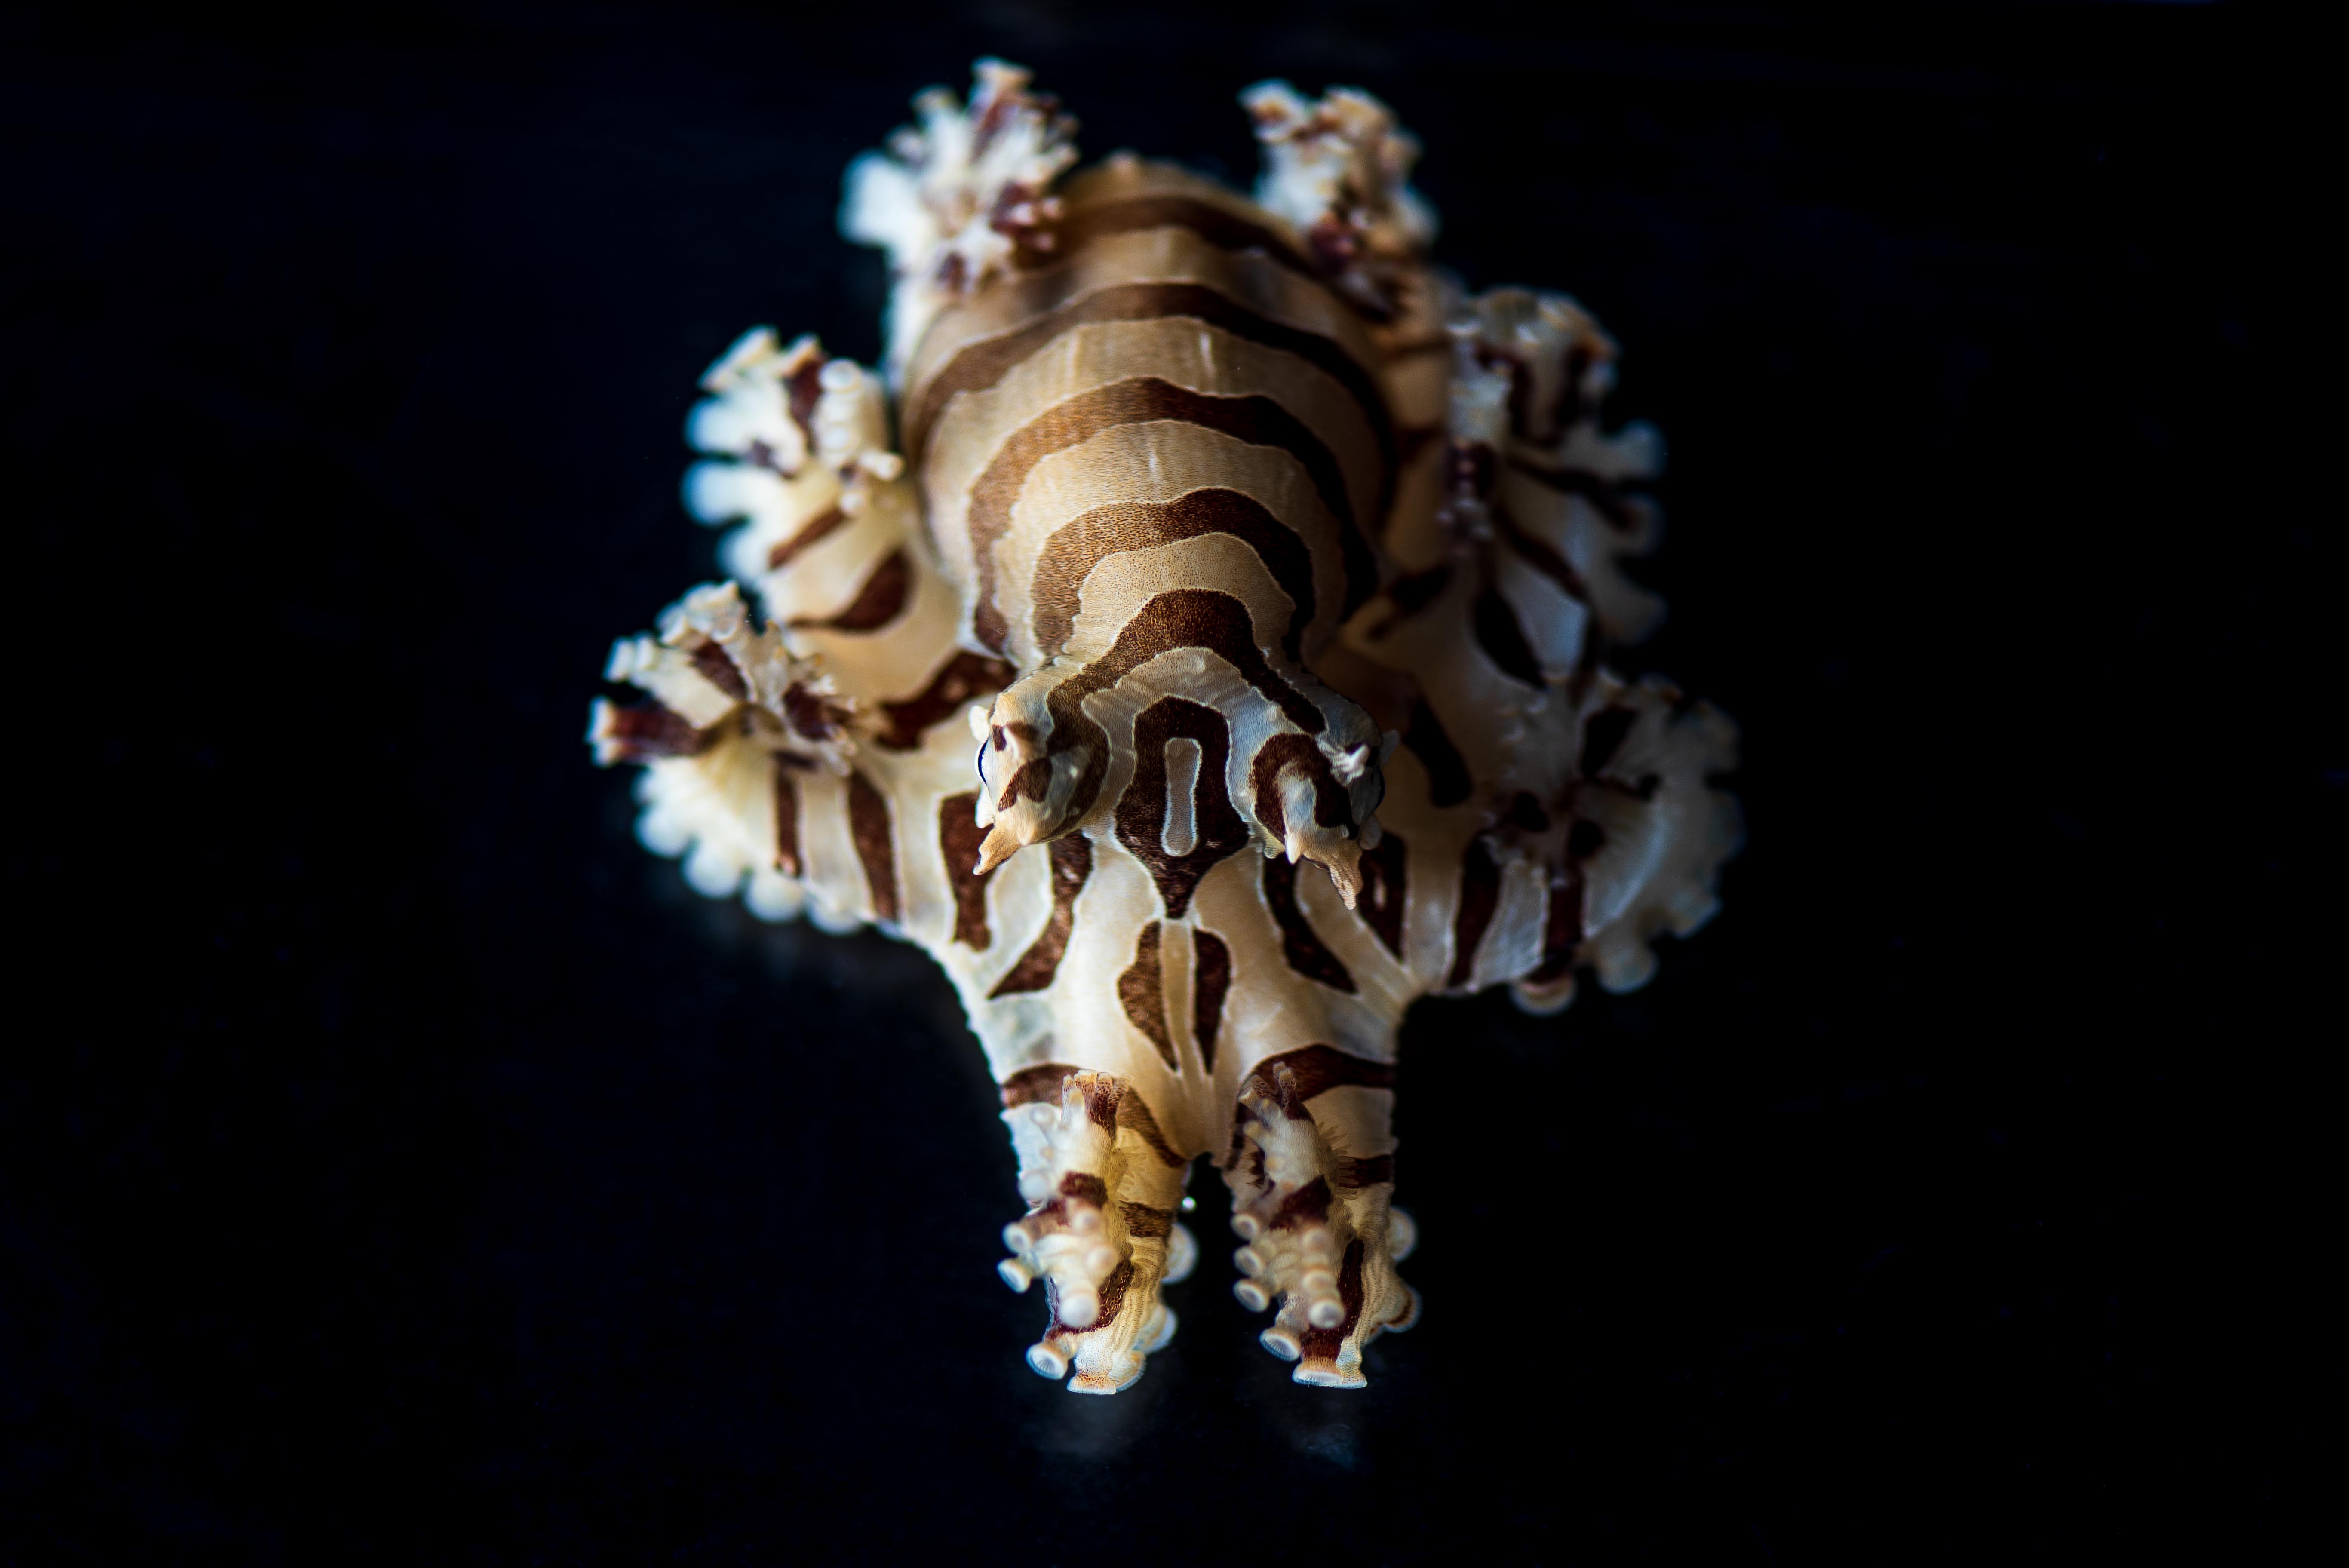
(1217, 831)
(1073, 864)
(1385, 884)
(878, 602)
(987, 362)
(868, 826)
(1292, 1077)
(1480, 896)
(1211, 980)
(1447, 771)
(958, 837)
(825, 523)
(1037, 1085)
(1142, 990)
(1300, 948)
(1214, 221)
(964, 677)
(787, 817)
(1147, 399)
(647, 731)
(1291, 1080)
(1076, 548)
(1322, 1344)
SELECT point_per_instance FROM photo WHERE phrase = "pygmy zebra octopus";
(1271, 575)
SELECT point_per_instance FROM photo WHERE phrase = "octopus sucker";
(1195, 634)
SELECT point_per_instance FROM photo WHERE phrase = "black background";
(403, 1166)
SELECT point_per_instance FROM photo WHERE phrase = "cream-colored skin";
(858, 818)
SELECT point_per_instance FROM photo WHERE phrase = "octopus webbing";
(1271, 577)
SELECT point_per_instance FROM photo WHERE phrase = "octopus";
(1194, 634)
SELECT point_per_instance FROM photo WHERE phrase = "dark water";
(401, 1166)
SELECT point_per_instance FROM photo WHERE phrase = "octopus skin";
(1193, 635)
